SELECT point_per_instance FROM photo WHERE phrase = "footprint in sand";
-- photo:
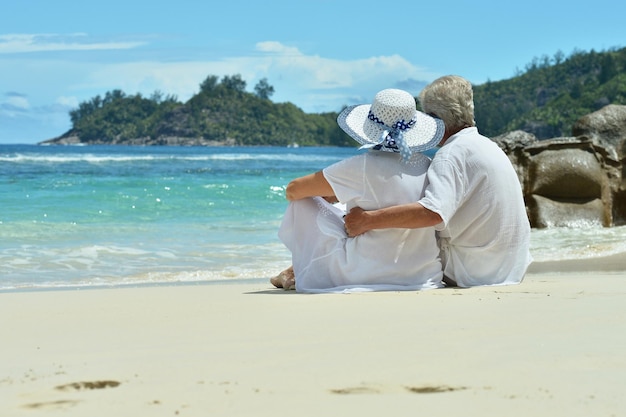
(74, 386)
(425, 389)
(56, 405)
(356, 390)
(88, 385)
(431, 389)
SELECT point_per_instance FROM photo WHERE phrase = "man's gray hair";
(451, 99)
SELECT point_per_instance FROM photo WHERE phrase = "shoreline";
(609, 264)
(234, 281)
(550, 346)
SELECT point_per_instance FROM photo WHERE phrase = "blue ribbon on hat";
(392, 137)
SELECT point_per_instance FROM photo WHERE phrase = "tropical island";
(545, 99)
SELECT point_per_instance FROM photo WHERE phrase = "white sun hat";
(392, 123)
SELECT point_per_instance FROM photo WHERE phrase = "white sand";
(553, 346)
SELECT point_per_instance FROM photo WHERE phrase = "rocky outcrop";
(569, 182)
(513, 144)
(606, 127)
(578, 180)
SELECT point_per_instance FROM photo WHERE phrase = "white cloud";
(277, 48)
(322, 84)
(315, 72)
(69, 102)
(178, 78)
(23, 43)
(311, 82)
(17, 102)
(14, 105)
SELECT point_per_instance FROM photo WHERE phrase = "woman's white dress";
(326, 260)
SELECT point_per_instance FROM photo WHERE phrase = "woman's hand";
(312, 185)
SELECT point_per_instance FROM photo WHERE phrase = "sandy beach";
(552, 346)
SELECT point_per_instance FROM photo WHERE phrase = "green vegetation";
(546, 99)
(221, 111)
(118, 116)
(552, 94)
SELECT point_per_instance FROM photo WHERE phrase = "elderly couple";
(408, 223)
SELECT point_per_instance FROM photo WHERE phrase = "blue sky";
(318, 54)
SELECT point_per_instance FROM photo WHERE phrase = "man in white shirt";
(474, 199)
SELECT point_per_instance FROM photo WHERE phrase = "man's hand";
(356, 222)
(404, 216)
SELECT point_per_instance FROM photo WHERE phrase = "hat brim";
(424, 135)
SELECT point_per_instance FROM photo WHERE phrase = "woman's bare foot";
(289, 284)
(285, 277)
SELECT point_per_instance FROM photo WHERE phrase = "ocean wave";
(62, 159)
(231, 273)
(100, 159)
(36, 267)
(567, 243)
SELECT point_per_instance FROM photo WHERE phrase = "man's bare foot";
(286, 276)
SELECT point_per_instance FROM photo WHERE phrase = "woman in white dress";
(392, 172)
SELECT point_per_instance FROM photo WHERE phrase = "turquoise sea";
(89, 216)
